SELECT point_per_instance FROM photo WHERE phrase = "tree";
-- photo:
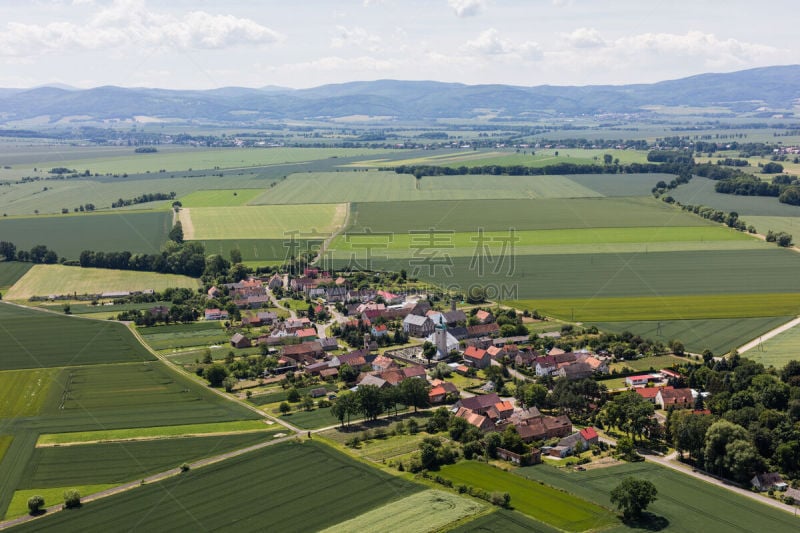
(229, 383)
(414, 392)
(369, 401)
(216, 374)
(176, 233)
(307, 403)
(236, 256)
(72, 499)
(285, 408)
(632, 496)
(35, 504)
(346, 405)
(531, 394)
(428, 350)
(721, 434)
(293, 395)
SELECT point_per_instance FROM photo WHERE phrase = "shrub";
(35, 504)
(72, 499)
(185, 467)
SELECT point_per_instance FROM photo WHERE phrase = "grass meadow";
(36, 339)
(51, 495)
(684, 503)
(554, 507)
(298, 487)
(70, 235)
(44, 280)
(23, 392)
(261, 222)
(181, 335)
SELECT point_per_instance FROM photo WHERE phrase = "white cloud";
(467, 8)
(490, 43)
(358, 37)
(130, 22)
(585, 38)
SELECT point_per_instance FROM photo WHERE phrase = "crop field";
(720, 335)
(223, 158)
(72, 234)
(158, 432)
(501, 215)
(404, 516)
(790, 225)
(374, 186)
(304, 487)
(379, 450)
(621, 184)
(656, 362)
(280, 395)
(700, 191)
(667, 308)
(36, 339)
(124, 461)
(261, 222)
(261, 250)
(778, 350)
(541, 502)
(318, 418)
(23, 392)
(52, 496)
(684, 503)
(503, 521)
(44, 280)
(181, 335)
(546, 242)
(11, 271)
(5, 442)
(220, 197)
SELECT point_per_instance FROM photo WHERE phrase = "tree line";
(38, 254)
(144, 198)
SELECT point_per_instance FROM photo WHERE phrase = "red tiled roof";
(589, 433)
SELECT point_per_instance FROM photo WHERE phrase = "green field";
(683, 504)
(666, 308)
(501, 215)
(388, 186)
(541, 502)
(261, 222)
(35, 339)
(656, 362)
(261, 250)
(219, 197)
(10, 272)
(77, 437)
(5, 442)
(719, 335)
(311, 485)
(790, 225)
(700, 191)
(318, 418)
(621, 184)
(778, 350)
(44, 280)
(502, 521)
(23, 392)
(72, 234)
(181, 335)
(548, 242)
(404, 516)
(52, 496)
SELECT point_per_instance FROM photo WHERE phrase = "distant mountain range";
(767, 89)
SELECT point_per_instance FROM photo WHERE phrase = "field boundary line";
(327, 242)
(768, 335)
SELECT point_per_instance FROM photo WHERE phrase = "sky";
(204, 44)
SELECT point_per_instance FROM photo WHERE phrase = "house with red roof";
(476, 357)
(680, 398)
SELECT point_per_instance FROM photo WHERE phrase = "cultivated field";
(778, 350)
(720, 335)
(404, 516)
(44, 280)
(261, 251)
(683, 504)
(790, 225)
(700, 191)
(309, 486)
(261, 222)
(35, 339)
(502, 521)
(219, 198)
(182, 335)
(10, 272)
(559, 509)
(23, 392)
(69, 235)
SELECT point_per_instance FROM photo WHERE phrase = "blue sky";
(204, 44)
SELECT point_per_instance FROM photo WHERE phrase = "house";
(769, 481)
(524, 358)
(680, 398)
(649, 393)
(250, 319)
(275, 282)
(316, 368)
(641, 380)
(482, 330)
(459, 332)
(270, 340)
(559, 451)
(546, 365)
(462, 370)
(305, 352)
(370, 379)
(494, 352)
(379, 331)
(240, 341)
(500, 411)
(598, 366)
(267, 317)
(329, 373)
(306, 334)
(393, 376)
(484, 317)
(575, 371)
(421, 307)
(336, 294)
(590, 435)
(382, 363)
(476, 357)
(480, 403)
(256, 302)
(417, 326)
(329, 343)
(355, 359)
(389, 298)
(439, 393)
(479, 421)
(319, 392)
(296, 324)
(454, 316)
(216, 314)
(414, 371)
(544, 427)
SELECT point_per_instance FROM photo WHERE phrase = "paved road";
(670, 462)
(766, 336)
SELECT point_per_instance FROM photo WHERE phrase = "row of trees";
(370, 401)
(187, 258)
(38, 254)
(144, 198)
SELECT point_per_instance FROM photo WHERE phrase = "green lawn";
(44, 280)
(655, 362)
(778, 350)
(304, 487)
(684, 503)
(52, 496)
(559, 509)
(38, 339)
(261, 222)
(70, 235)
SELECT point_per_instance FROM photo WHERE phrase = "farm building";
(240, 341)
(417, 326)
(680, 398)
